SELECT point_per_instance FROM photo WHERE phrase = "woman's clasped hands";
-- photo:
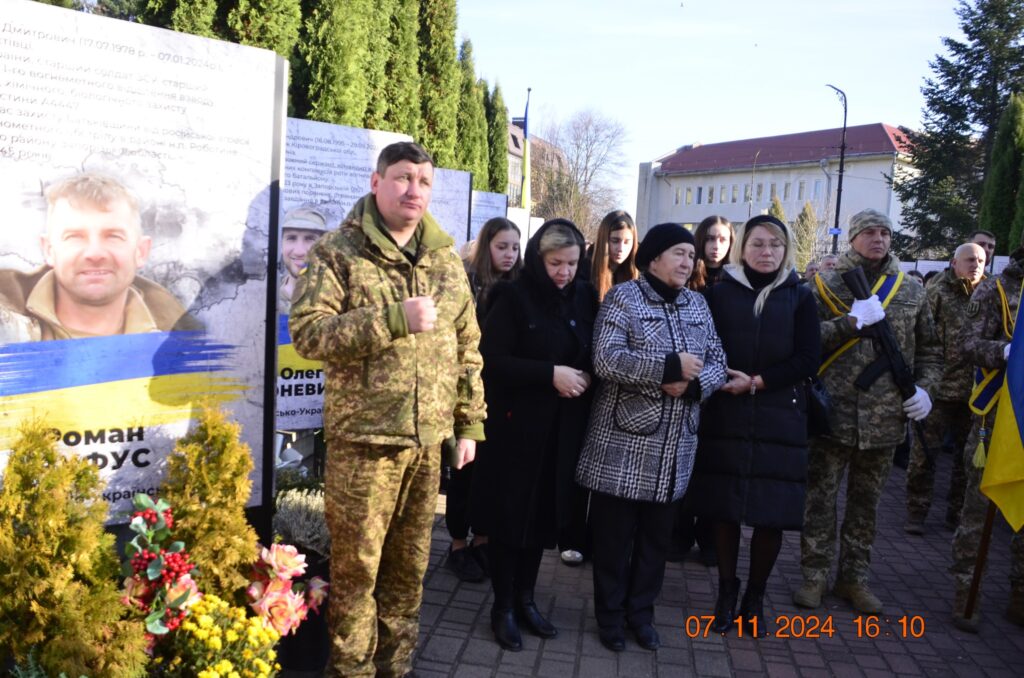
(570, 382)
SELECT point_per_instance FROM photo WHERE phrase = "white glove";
(918, 405)
(1006, 353)
(867, 311)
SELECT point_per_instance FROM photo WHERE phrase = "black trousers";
(631, 539)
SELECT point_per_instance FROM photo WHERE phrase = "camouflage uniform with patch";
(983, 338)
(866, 427)
(948, 296)
(391, 399)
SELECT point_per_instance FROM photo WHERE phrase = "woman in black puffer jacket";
(752, 457)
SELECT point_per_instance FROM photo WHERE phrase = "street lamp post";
(839, 183)
(750, 198)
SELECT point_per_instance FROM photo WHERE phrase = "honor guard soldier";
(948, 296)
(869, 412)
(985, 337)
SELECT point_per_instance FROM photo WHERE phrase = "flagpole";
(979, 564)
(527, 198)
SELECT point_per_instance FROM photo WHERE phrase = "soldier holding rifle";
(870, 409)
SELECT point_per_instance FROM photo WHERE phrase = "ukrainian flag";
(112, 382)
(1003, 481)
(287, 356)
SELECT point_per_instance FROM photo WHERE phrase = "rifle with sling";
(891, 357)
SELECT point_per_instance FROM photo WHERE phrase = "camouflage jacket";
(875, 418)
(948, 297)
(982, 334)
(384, 385)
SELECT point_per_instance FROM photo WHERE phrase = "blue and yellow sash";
(988, 382)
(885, 288)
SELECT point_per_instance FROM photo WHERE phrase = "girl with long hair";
(614, 252)
(496, 258)
(714, 238)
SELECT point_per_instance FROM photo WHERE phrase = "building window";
(746, 192)
(722, 195)
(711, 194)
(773, 193)
(676, 201)
(689, 195)
(735, 193)
(760, 192)
(785, 191)
(800, 190)
(817, 189)
(700, 191)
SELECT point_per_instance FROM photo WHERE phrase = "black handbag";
(819, 407)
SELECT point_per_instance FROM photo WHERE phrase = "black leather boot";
(532, 619)
(752, 610)
(506, 630)
(725, 605)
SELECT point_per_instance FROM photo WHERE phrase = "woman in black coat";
(536, 346)
(751, 463)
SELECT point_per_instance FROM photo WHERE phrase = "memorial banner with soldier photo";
(137, 170)
(327, 169)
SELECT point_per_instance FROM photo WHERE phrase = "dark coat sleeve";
(806, 347)
(502, 327)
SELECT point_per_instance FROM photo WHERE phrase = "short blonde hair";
(92, 189)
(559, 235)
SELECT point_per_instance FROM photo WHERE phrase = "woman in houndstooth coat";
(658, 357)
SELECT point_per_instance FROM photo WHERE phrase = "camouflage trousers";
(951, 416)
(967, 538)
(380, 504)
(868, 471)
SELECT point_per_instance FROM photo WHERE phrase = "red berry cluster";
(176, 565)
(140, 561)
(169, 519)
(174, 618)
(149, 515)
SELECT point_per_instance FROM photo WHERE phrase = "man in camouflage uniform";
(385, 303)
(865, 426)
(985, 344)
(948, 295)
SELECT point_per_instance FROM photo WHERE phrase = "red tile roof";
(873, 139)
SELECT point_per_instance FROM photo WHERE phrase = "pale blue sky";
(705, 71)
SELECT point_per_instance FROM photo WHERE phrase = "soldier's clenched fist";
(420, 313)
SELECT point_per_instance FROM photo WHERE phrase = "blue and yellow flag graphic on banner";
(103, 382)
(1003, 481)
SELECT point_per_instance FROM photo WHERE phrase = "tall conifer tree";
(439, 85)
(970, 86)
(805, 230)
(379, 55)
(471, 141)
(338, 33)
(776, 209)
(497, 141)
(271, 24)
(402, 76)
(999, 201)
(186, 16)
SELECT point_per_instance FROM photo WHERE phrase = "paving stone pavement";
(909, 574)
